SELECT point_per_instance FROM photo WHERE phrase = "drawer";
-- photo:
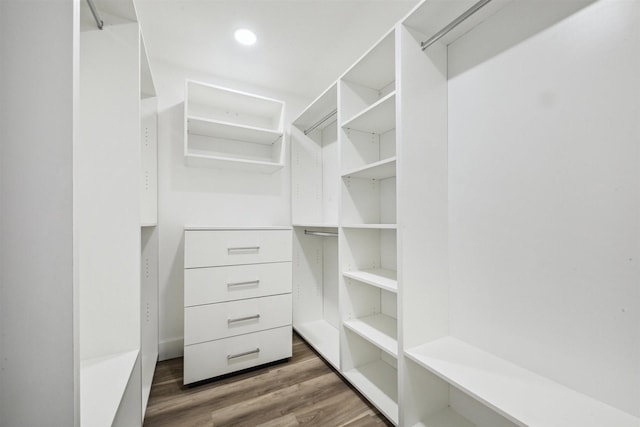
(219, 284)
(213, 358)
(214, 321)
(211, 248)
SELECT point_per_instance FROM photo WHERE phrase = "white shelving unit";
(368, 254)
(462, 284)
(315, 197)
(516, 393)
(232, 129)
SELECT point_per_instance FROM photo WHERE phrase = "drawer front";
(212, 248)
(220, 284)
(214, 321)
(213, 358)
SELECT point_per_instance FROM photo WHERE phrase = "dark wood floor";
(304, 391)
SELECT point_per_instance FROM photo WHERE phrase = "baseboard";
(170, 349)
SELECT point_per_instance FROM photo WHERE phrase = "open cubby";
(229, 128)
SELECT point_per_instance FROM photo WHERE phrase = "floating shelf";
(379, 383)
(514, 392)
(230, 162)
(324, 338)
(379, 117)
(379, 277)
(379, 170)
(103, 382)
(225, 130)
(379, 330)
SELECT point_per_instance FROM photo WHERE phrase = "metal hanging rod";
(96, 15)
(321, 121)
(320, 233)
(437, 36)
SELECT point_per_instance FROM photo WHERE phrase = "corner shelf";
(378, 277)
(379, 329)
(520, 395)
(225, 128)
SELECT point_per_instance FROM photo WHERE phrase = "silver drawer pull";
(244, 249)
(250, 282)
(242, 319)
(246, 353)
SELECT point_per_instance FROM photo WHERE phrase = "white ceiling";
(303, 45)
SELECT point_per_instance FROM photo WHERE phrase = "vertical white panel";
(330, 280)
(148, 309)
(38, 102)
(149, 161)
(330, 174)
(545, 199)
(107, 195)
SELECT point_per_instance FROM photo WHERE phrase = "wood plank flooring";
(305, 391)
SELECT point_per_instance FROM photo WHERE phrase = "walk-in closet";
(415, 213)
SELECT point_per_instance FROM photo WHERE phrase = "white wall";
(38, 50)
(191, 196)
(544, 176)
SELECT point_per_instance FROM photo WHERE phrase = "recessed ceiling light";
(245, 37)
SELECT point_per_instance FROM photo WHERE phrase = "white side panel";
(38, 103)
(330, 174)
(148, 309)
(107, 196)
(149, 161)
(129, 414)
(545, 200)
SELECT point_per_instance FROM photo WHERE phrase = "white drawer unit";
(237, 299)
(230, 283)
(214, 248)
(214, 321)
(219, 357)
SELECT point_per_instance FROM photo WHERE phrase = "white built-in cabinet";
(226, 128)
(485, 196)
(115, 217)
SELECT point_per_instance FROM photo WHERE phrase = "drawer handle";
(244, 249)
(246, 353)
(242, 319)
(250, 282)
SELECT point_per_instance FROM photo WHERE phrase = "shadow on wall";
(189, 179)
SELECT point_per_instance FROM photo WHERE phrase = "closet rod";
(437, 36)
(96, 15)
(321, 121)
(320, 233)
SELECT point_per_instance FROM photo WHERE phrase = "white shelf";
(225, 130)
(379, 170)
(379, 117)
(103, 382)
(315, 225)
(379, 277)
(372, 226)
(324, 338)
(518, 394)
(379, 383)
(446, 418)
(380, 330)
(322, 106)
(204, 160)
(148, 224)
